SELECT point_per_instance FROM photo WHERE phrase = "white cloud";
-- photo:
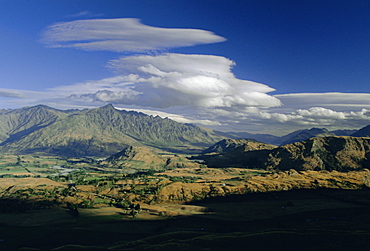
(321, 113)
(320, 116)
(175, 117)
(187, 80)
(173, 80)
(123, 35)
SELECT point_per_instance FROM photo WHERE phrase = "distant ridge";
(297, 136)
(363, 132)
(301, 135)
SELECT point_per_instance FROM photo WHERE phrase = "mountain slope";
(363, 132)
(14, 124)
(320, 153)
(228, 145)
(265, 138)
(97, 132)
(345, 132)
(236, 153)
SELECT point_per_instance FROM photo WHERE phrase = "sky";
(258, 66)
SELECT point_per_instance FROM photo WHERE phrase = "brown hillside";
(326, 153)
(321, 153)
(228, 145)
(236, 153)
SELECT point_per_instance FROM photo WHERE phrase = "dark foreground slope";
(95, 132)
(295, 220)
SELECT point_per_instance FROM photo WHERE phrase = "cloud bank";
(189, 88)
(173, 80)
(122, 35)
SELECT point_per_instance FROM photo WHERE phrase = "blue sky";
(262, 66)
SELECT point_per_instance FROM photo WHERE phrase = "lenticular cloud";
(185, 80)
(123, 35)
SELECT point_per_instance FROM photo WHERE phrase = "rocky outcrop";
(236, 153)
(228, 145)
(320, 153)
(135, 153)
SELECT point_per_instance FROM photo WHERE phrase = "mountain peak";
(44, 107)
(228, 145)
(316, 129)
(108, 107)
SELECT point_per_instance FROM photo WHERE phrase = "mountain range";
(105, 131)
(94, 132)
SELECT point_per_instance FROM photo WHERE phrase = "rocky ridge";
(319, 153)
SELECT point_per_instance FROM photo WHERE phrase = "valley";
(179, 205)
(104, 179)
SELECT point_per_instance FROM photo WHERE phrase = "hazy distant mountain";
(292, 137)
(95, 132)
(363, 132)
(266, 138)
(344, 132)
(301, 135)
(319, 153)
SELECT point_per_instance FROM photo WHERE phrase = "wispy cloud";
(6, 93)
(334, 100)
(85, 14)
(176, 117)
(123, 35)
